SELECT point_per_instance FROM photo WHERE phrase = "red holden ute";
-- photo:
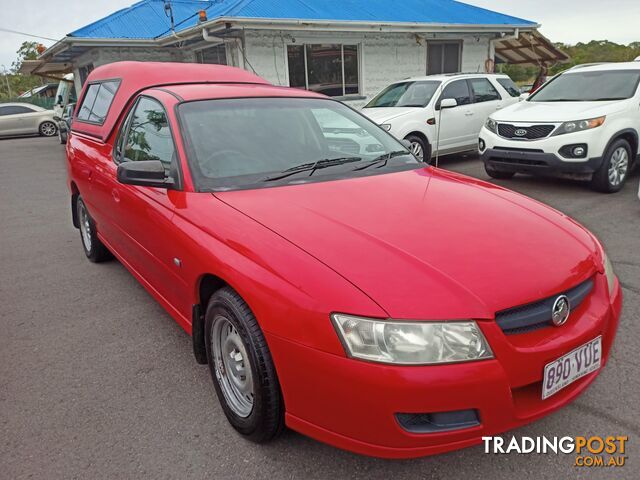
(333, 283)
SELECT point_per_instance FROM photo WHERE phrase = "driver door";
(454, 124)
(143, 215)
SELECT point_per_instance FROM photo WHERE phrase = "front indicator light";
(411, 343)
(610, 274)
(386, 127)
(579, 125)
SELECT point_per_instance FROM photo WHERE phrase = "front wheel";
(62, 136)
(612, 174)
(48, 129)
(420, 149)
(242, 369)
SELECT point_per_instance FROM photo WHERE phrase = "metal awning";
(530, 48)
(55, 70)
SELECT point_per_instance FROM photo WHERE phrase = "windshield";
(589, 87)
(406, 94)
(264, 142)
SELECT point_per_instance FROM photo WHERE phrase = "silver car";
(26, 119)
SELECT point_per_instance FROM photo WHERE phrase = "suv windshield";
(589, 87)
(263, 142)
(406, 94)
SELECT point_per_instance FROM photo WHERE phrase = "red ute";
(332, 282)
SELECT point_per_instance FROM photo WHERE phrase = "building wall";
(384, 57)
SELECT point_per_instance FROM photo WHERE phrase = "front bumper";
(541, 156)
(352, 404)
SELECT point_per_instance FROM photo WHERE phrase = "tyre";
(48, 129)
(613, 173)
(420, 149)
(62, 136)
(93, 248)
(241, 367)
(497, 174)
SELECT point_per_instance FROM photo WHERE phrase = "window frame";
(86, 90)
(338, 41)
(443, 42)
(444, 86)
(124, 131)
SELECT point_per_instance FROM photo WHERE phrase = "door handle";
(498, 107)
(468, 114)
(115, 195)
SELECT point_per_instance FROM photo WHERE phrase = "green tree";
(12, 83)
(27, 51)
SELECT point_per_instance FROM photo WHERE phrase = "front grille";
(534, 316)
(520, 161)
(531, 132)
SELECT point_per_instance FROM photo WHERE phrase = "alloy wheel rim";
(232, 367)
(417, 150)
(48, 129)
(618, 166)
(85, 228)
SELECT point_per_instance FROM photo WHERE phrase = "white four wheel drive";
(441, 114)
(584, 123)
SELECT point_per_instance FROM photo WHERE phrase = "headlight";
(579, 125)
(491, 125)
(611, 276)
(386, 126)
(411, 343)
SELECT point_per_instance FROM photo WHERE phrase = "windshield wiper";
(382, 159)
(312, 167)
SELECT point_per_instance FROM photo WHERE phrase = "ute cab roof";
(133, 77)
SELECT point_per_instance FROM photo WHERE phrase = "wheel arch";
(424, 138)
(75, 193)
(208, 284)
(631, 136)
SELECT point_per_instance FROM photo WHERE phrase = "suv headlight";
(491, 125)
(609, 273)
(411, 343)
(386, 127)
(579, 125)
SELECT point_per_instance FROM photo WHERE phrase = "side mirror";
(448, 103)
(147, 173)
(56, 118)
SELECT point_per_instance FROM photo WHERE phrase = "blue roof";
(147, 19)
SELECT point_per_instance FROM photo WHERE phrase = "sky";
(567, 21)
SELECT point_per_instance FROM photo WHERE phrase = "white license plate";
(572, 366)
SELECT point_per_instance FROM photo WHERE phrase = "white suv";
(411, 110)
(583, 123)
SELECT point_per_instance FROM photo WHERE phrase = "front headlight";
(491, 125)
(411, 343)
(609, 273)
(579, 125)
(386, 127)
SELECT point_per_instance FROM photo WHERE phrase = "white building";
(349, 50)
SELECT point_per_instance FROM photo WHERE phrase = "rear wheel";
(93, 248)
(612, 174)
(48, 129)
(242, 369)
(62, 136)
(420, 149)
(497, 174)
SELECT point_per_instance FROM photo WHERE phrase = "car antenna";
(438, 136)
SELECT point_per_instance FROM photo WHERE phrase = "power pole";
(6, 77)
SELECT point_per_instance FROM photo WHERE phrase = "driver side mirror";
(146, 173)
(448, 103)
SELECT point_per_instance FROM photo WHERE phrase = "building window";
(443, 57)
(214, 55)
(330, 69)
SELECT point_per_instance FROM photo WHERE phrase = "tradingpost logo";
(594, 451)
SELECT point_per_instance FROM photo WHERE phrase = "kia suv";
(583, 123)
(413, 110)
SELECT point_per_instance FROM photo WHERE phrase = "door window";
(483, 91)
(509, 86)
(458, 90)
(149, 135)
(15, 110)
